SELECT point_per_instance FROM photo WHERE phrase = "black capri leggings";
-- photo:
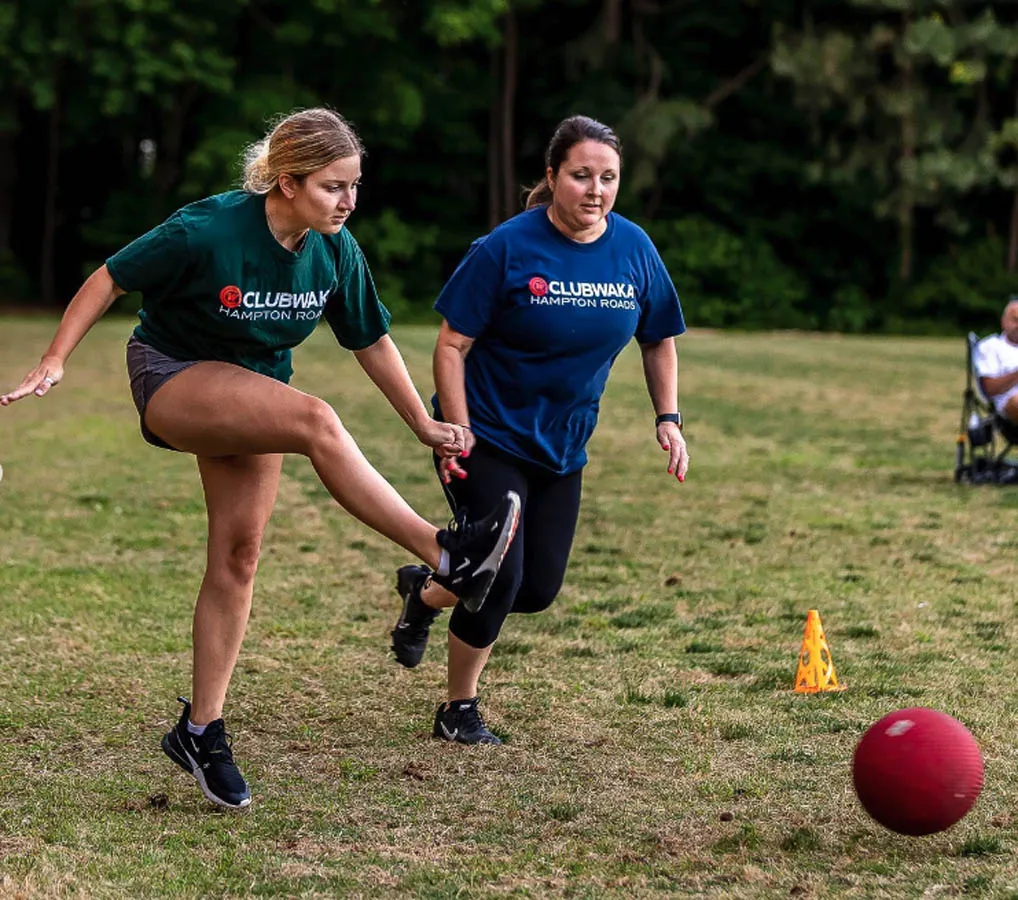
(533, 569)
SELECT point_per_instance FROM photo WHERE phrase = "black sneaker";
(209, 759)
(476, 550)
(459, 721)
(410, 636)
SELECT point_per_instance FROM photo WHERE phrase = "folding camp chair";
(984, 437)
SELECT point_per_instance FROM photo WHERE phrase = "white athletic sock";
(443, 563)
(195, 729)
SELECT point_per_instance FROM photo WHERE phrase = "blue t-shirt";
(548, 317)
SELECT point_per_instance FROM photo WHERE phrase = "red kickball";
(917, 771)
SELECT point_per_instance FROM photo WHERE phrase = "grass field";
(654, 747)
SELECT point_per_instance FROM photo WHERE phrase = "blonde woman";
(229, 285)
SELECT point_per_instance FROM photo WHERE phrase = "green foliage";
(903, 99)
(650, 129)
(402, 258)
(730, 279)
(852, 311)
(830, 169)
(964, 289)
(454, 22)
(14, 281)
(215, 164)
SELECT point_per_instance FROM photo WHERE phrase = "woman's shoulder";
(343, 241)
(629, 229)
(226, 201)
(342, 246)
(209, 211)
(530, 221)
(634, 237)
(526, 226)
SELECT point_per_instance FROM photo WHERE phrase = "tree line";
(835, 164)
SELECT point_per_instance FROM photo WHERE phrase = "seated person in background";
(996, 364)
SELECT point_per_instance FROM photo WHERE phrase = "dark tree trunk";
(612, 21)
(1012, 243)
(494, 149)
(47, 273)
(510, 64)
(167, 171)
(8, 176)
(906, 199)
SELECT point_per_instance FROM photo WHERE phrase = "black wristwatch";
(675, 418)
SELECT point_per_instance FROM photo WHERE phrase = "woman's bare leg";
(216, 409)
(240, 492)
(465, 666)
(437, 597)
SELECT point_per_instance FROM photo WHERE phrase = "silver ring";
(48, 380)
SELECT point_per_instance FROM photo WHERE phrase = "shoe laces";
(458, 522)
(461, 531)
(471, 716)
(219, 742)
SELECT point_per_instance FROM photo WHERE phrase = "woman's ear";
(288, 185)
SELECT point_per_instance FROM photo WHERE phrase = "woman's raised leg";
(216, 409)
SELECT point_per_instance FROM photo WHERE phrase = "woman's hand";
(669, 436)
(44, 376)
(450, 467)
(446, 439)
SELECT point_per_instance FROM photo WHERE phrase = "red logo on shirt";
(538, 286)
(229, 296)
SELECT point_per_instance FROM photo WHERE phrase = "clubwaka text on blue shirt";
(588, 295)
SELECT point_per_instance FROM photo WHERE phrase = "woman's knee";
(480, 629)
(319, 424)
(535, 599)
(476, 630)
(236, 560)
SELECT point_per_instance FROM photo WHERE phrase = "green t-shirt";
(217, 285)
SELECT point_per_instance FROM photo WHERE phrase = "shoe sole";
(474, 604)
(183, 759)
(407, 662)
(445, 740)
(439, 735)
(413, 663)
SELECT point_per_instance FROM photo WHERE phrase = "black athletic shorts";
(150, 370)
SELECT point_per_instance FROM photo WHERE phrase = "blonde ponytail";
(257, 178)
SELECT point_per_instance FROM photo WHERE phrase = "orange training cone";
(816, 668)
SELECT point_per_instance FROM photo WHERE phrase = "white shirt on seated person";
(997, 356)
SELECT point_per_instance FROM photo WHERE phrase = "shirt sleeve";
(354, 312)
(661, 316)
(981, 361)
(987, 360)
(157, 259)
(469, 299)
